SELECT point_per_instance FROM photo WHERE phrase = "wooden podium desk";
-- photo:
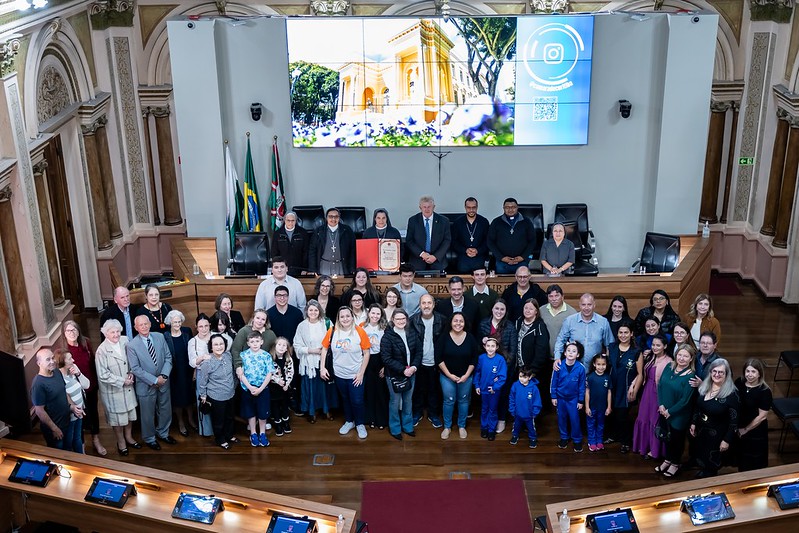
(151, 510)
(746, 491)
(691, 277)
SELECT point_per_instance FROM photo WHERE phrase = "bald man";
(50, 401)
(587, 327)
(122, 311)
(150, 360)
(428, 325)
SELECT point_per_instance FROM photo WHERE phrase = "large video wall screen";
(455, 81)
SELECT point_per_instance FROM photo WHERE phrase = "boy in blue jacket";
(489, 378)
(568, 395)
(524, 405)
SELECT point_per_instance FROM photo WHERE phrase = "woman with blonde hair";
(702, 319)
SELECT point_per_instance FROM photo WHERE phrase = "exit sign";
(745, 161)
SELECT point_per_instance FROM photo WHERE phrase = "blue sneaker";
(435, 421)
(262, 440)
(416, 420)
(254, 440)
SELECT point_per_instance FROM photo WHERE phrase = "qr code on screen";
(545, 109)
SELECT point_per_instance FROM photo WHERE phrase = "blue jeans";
(73, 436)
(351, 400)
(400, 408)
(596, 426)
(455, 391)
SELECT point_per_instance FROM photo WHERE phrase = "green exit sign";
(744, 161)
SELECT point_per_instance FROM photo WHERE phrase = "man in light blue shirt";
(411, 292)
(588, 328)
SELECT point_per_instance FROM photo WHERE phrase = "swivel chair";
(355, 218)
(250, 253)
(310, 217)
(579, 214)
(661, 252)
(582, 261)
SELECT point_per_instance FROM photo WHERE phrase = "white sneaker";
(268, 426)
(361, 431)
(462, 432)
(445, 433)
(346, 428)
(500, 426)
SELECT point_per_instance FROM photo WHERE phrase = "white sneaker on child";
(361, 431)
(500, 426)
(346, 428)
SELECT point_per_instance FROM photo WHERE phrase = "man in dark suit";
(428, 237)
(457, 302)
(332, 250)
(291, 242)
(122, 311)
(150, 361)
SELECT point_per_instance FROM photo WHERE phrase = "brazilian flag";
(252, 208)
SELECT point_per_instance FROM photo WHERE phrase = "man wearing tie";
(428, 237)
(150, 361)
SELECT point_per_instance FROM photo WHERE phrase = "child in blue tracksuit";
(524, 405)
(597, 401)
(568, 395)
(489, 378)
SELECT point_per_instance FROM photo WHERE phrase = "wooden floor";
(751, 326)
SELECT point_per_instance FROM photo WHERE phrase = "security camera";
(256, 109)
(190, 25)
(625, 107)
(695, 20)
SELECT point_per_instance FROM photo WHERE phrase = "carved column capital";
(5, 193)
(160, 111)
(92, 127)
(108, 13)
(323, 8)
(719, 107)
(40, 167)
(8, 53)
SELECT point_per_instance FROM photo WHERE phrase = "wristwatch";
(164, 376)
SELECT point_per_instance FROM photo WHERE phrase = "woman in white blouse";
(198, 354)
(308, 348)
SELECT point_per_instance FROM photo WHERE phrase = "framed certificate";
(389, 255)
(378, 255)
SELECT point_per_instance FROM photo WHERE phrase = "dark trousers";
(676, 445)
(279, 406)
(427, 392)
(351, 400)
(488, 412)
(622, 426)
(375, 394)
(518, 423)
(91, 419)
(222, 419)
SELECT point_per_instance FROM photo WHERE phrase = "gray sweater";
(554, 323)
(215, 378)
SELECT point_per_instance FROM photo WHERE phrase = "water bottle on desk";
(706, 230)
(340, 524)
(565, 522)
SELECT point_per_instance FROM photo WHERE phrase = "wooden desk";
(754, 511)
(690, 278)
(62, 500)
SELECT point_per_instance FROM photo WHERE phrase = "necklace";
(471, 231)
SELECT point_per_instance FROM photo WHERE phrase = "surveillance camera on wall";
(256, 110)
(625, 107)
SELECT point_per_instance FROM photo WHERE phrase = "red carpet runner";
(462, 506)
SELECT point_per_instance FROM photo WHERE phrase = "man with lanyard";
(588, 328)
(511, 238)
(484, 296)
(428, 326)
(470, 238)
(411, 292)
(265, 296)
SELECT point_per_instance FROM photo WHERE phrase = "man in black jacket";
(457, 302)
(511, 238)
(122, 311)
(332, 250)
(518, 293)
(291, 242)
(427, 325)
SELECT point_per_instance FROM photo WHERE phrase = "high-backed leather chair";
(661, 252)
(535, 214)
(250, 253)
(582, 263)
(452, 257)
(579, 214)
(355, 218)
(310, 217)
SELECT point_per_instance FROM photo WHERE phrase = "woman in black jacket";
(401, 350)
(659, 307)
(533, 351)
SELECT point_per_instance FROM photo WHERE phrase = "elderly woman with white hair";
(116, 385)
(715, 420)
(181, 380)
(291, 242)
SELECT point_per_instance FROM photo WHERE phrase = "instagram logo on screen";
(553, 53)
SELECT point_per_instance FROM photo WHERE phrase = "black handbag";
(401, 384)
(205, 406)
(662, 429)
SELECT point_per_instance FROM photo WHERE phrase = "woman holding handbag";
(401, 351)
(675, 396)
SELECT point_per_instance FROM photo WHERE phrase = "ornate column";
(736, 106)
(107, 173)
(101, 225)
(166, 166)
(14, 268)
(715, 145)
(7, 339)
(43, 199)
(148, 145)
(775, 175)
(788, 187)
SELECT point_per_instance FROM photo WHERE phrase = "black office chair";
(310, 217)
(355, 218)
(579, 214)
(250, 253)
(452, 257)
(535, 214)
(661, 253)
(582, 262)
